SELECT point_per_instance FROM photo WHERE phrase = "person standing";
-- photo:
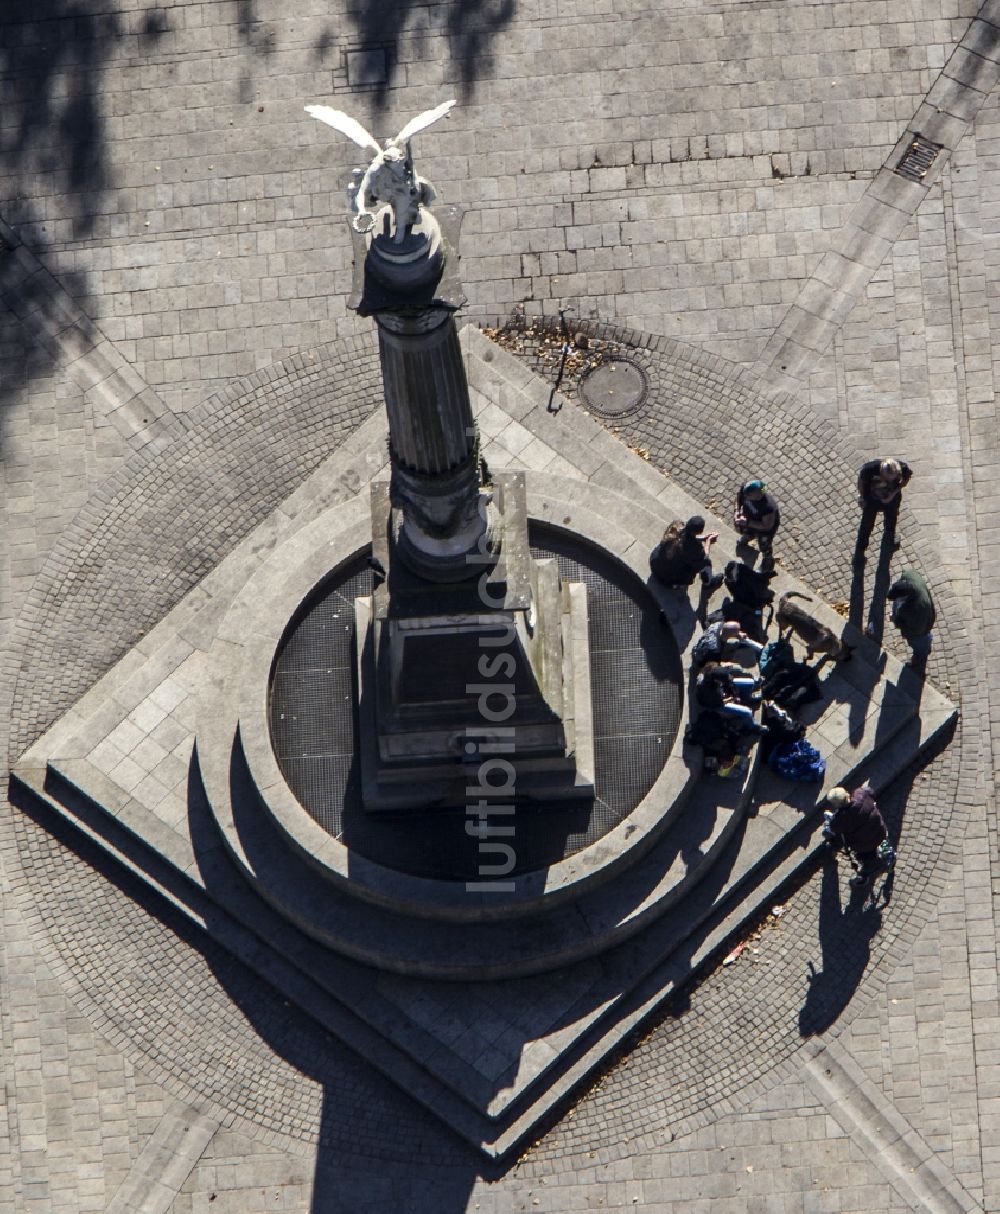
(880, 491)
(684, 554)
(912, 610)
(857, 821)
(756, 517)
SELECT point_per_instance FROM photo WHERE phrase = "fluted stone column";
(433, 445)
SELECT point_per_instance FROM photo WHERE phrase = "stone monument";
(469, 650)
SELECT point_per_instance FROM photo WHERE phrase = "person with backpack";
(684, 554)
(756, 517)
(854, 819)
(880, 491)
(750, 593)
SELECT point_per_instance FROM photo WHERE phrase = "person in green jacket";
(912, 610)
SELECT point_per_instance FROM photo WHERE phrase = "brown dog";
(816, 636)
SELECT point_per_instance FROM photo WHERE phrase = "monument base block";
(480, 689)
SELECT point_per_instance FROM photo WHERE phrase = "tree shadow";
(53, 55)
(470, 27)
(54, 161)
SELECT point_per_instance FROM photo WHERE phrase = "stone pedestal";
(483, 684)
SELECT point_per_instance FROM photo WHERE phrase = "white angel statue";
(390, 178)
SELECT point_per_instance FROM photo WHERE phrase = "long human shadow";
(876, 608)
(846, 932)
(845, 940)
(470, 25)
(855, 687)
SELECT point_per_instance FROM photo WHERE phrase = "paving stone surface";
(685, 172)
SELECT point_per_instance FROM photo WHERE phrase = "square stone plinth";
(491, 1059)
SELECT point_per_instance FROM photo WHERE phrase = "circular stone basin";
(636, 694)
(614, 388)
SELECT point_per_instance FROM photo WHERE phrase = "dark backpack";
(748, 586)
(717, 733)
(774, 656)
(708, 647)
(778, 728)
(791, 686)
(710, 690)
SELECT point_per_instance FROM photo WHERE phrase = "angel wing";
(345, 124)
(422, 120)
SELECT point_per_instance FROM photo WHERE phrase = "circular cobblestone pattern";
(196, 1021)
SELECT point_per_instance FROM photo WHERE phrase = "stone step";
(245, 926)
(751, 875)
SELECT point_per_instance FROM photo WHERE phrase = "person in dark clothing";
(912, 610)
(756, 517)
(728, 688)
(720, 641)
(880, 491)
(857, 821)
(683, 554)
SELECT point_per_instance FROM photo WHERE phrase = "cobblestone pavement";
(706, 172)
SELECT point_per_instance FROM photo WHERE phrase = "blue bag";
(798, 761)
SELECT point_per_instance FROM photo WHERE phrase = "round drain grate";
(614, 388)
(636, 692)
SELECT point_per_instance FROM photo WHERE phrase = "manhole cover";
(916, 161)
(614, 387)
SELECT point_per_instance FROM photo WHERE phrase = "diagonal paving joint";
(884, 1135)
(843, 274)
(164, 1163)
(118, 395)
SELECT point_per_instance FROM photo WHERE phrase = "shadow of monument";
(366, 1127)
(520, 998)
(357, 1098)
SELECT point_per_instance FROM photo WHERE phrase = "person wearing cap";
(756, 517)
(856, 819)
(880, 491)
(683, 554)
